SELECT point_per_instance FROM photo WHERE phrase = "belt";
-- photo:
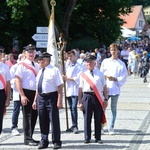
(90, 93)
(47, 94)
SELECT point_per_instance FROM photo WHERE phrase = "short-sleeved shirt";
(73, 71)
(4, 71)
(51, 80)
(27, 76)
(99, 80)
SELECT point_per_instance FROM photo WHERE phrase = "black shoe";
(99, 141)
(36, 141)
(31, 143)
(69, 130)
(57, 146)
(86, 141)
(42, 146)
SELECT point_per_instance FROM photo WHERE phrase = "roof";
(131, 19)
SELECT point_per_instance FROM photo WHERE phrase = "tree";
(98, 20)
(145, 3)
(88, 19)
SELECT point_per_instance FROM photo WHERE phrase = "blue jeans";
(15, 114)
(114, 100)
(72, 102)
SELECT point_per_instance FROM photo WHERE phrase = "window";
(140, 23)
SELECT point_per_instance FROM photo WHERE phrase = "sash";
(4, 84)
(97, 95)
(30, 68)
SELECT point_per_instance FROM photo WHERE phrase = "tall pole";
(53, 4)
(62, 48)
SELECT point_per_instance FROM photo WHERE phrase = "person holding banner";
(115, 72)
(25, 80)
(73, 71)
(4, 87)
(92, 99)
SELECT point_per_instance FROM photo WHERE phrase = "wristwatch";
(106, 99)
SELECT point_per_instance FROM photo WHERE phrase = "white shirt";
(4, 71)
(125, 52)
(12, 82)
(114, 68)
(73, 71)
(98, 77)
(51, 80)
(27, 76)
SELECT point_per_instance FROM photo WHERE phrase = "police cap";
(2, 49)
(44, 55)
(90, 57)
(29, 48)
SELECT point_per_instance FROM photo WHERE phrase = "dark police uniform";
(5, 76)
(47, 103)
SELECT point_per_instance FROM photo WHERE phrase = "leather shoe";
(32, 143)
(99, 141)
(42, 146)
(87, 141)
(36, 141)
(57, 146)
(69, 130)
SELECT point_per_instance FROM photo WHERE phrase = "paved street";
(132, 128)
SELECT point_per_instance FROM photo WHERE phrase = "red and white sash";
(29, 67)
(98, 95)
(4, 84)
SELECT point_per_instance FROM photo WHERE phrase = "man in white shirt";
(48, 100)
(73, 71)
(4, 88)
(116, 74)
(124, 55)
(25, 80)
(15, 97)
(92, 99)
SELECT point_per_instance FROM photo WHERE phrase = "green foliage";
(85, 43)
(93, 22)
(145, 3)
(20, 21)
(98, 20)
(148, 20)
(17, 7)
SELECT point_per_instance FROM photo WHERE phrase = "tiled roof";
(131, 18)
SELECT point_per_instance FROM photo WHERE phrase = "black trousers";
(48, 112)
(2, 106)
(29, 116)
(92, 105)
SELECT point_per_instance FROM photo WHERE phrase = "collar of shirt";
(71, 65)
(27, 61)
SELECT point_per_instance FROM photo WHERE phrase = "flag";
(51, 44)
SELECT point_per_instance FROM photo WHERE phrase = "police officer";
(26, 85)
(4, 87)
(47, 100)
(92, 98)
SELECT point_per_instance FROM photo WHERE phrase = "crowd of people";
(92, 79)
